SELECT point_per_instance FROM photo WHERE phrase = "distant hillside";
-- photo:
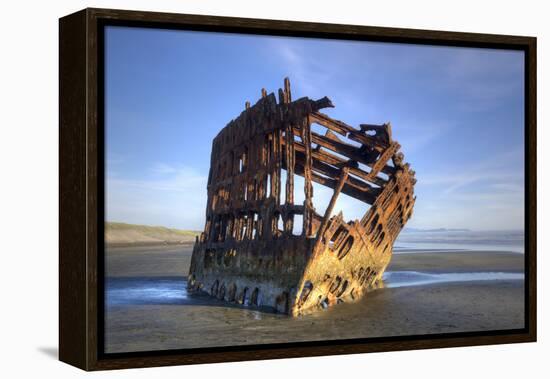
(415, 230)
(118, 233)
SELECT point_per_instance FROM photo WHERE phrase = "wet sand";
(189, 322)
(149, 261)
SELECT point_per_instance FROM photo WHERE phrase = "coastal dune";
(122, 234)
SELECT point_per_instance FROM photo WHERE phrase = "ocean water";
(146, 290)
(394, 279)
(172, 290)
(413, 241)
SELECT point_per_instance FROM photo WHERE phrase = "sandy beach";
(148, 309)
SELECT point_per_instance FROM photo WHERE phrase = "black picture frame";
(81, 184)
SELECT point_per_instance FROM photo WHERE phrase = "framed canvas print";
(238, 189)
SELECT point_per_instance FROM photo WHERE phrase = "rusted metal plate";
(249, 252)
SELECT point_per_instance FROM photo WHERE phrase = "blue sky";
(457, 112)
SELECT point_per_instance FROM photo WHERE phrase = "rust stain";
(248, 252)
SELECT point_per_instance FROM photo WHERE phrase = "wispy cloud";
(307, 75)
(172, 196)
(435, 98)
(486, 195)
(163, 169)
(481, 79)
(500, 170)
(415, 135)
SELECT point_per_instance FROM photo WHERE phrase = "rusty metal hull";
(249, 252)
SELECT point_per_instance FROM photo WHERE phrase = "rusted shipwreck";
(249, 253)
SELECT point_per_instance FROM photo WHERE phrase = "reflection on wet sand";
(173, 290)
(147, 307)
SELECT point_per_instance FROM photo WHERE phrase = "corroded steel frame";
(249, 253)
